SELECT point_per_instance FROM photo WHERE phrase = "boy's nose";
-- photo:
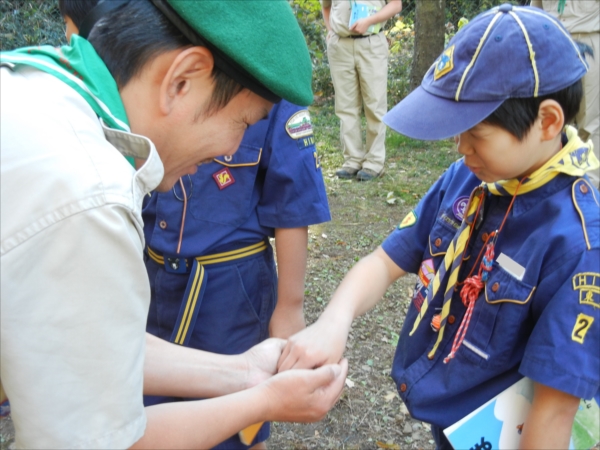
(462, 145)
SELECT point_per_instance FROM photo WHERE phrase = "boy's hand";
(361, 26)
(305, 395)
(261, 361)
(286, 320)
(322, 343)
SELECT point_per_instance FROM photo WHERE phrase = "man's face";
(191, 137)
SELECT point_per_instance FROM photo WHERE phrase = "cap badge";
(444, 64)
(223, 178)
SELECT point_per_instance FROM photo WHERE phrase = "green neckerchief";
(79, 66)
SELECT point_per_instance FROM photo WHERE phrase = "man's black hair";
(517, 115)
(76, 10)
(130, 36)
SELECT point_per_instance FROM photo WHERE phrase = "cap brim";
(427, 117)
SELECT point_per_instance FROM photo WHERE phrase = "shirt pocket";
(497, 328)
(440, 238)
(226, 185)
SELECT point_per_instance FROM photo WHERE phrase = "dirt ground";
(369, 414)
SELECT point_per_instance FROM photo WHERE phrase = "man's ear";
(552, 119)
(192, 64)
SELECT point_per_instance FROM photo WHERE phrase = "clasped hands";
(301, 377)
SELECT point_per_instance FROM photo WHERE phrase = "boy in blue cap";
(506, 243)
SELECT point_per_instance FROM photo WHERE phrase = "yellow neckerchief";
(574, 159)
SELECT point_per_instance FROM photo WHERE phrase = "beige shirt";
(579, 16)
(339, 17)
(74, 287)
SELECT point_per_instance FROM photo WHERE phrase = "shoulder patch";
(582, 325)
(299, 125)
(409, 220)
(588, 285)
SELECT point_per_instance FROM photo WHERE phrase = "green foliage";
(26, 23)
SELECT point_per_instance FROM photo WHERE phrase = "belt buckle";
(175, 265)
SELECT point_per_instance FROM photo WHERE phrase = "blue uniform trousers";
(233, 307)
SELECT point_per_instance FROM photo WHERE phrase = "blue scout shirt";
(544, 326)
(239, 200)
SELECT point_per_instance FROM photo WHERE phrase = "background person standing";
(358, 59)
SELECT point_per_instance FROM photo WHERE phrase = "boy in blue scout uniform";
(212, 272)
(506, 243)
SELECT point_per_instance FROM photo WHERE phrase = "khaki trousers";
(588, 118)
(359, 70)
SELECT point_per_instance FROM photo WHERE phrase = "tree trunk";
(429, 37)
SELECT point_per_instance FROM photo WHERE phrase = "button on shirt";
(520, 327)
(75, 292)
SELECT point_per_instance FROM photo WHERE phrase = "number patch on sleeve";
(582, 325)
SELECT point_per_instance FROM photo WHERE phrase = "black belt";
(360, 36)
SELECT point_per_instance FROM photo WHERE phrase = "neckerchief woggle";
(79, 66)
(575, 159)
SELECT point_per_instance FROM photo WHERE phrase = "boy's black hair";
(76, 10)
(517, 115)
(130, 36)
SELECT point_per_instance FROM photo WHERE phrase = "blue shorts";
(233, 312)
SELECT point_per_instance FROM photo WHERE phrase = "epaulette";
(586, 203)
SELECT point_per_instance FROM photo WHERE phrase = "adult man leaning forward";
(582, 19)
(358, 60)
(174, 83)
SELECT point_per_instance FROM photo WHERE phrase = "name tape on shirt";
(588, 285)
(511, 266)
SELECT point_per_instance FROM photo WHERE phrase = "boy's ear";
(552, 119)
(191, 67)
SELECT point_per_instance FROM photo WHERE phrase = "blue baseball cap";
(505, 52)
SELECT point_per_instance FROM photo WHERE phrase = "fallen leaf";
(349, 383)
(390, 396)
(391, 446)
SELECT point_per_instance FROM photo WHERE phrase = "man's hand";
(261, 361)
(286, 320)
(305, 395)
(322, 343)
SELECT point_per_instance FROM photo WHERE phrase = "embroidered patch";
(588, 285)
(426, 272)
(450, 221)
(444, 64)
(580, 157)
(408, 221)
(223, 178)
(582, 325)
(299, 126)
(459, 207)
(317, 160)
